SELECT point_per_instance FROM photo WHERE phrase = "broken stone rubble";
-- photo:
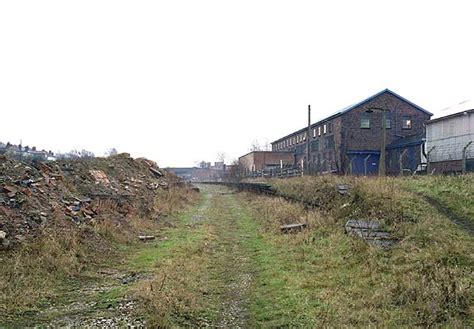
(78, 191)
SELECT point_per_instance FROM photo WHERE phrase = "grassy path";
(220, 268)
(224, 263)
(209, 274)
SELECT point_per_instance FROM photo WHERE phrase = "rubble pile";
(78, 191)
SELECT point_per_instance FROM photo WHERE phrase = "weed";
(341, 280)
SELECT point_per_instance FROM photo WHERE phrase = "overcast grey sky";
(180, 81)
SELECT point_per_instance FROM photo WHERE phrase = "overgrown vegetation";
(225, 262)
(453, 193)
(38, 273)
(425, 281)
(175, 293)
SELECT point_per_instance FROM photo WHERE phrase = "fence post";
(401, 161)
(428, 160)
(464, 151)
(365, 163)
(350, 164)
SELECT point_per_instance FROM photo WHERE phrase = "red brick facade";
(258, 160)
(337, 139)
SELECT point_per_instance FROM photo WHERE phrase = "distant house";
(25, 153)
(349, 141)
(447, 138)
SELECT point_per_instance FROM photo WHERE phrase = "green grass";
(318, 277)
(176, 293)
(276, 298)
(456, 193)
(342, 281)
(63, 266)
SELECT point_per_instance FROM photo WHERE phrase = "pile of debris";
(79, 191)
(372, 232)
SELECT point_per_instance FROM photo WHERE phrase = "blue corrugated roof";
(353, 106)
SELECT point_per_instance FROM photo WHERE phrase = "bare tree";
(202, 164)
(234, 171)
(255, 146)
(221, 156)
(111, 152)
(267, 146)
(76, 154)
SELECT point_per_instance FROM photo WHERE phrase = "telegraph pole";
(384, 142)
(308, 135)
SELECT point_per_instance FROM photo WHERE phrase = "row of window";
(294, 140)
(300, 138)
(325, 128)
(366, 121)
(322, 144)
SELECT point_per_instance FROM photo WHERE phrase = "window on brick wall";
(330, 127)
(314, 132)
(365, 120)
(325, 128)
(319, 131)
(406, 122)
(329, 142)
(388, 120)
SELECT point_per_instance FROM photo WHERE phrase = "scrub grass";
(175, 295)
(342, 281)
(64, 258)
(454, 193)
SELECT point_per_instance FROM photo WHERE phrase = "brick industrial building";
(349, 141)
(261, 160)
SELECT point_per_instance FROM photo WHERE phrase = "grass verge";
(323, 277)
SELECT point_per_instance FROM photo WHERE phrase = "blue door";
(366, 163)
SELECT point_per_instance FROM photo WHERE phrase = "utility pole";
(308, 139)
(384, 142)
(384, 138)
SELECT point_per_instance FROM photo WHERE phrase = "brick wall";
(260, 159)
(347, 134)
(356, 138)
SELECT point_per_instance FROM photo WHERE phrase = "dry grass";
(425, 281)
(170, 200)
(64, 253)
(33, 272)
(174, 293)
